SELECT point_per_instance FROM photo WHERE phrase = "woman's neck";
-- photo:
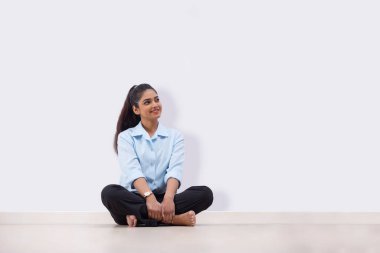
(150, 126)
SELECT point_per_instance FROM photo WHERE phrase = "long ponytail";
(128, 118)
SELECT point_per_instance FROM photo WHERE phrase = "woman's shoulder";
(126, 134)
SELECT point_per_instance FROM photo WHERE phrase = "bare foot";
(131, 220)
(185, 219)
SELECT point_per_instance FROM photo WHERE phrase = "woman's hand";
(168, 209)
(154, 208)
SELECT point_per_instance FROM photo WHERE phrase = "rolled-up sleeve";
(128, 160)
(177, 158)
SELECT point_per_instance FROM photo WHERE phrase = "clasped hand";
(163, 211)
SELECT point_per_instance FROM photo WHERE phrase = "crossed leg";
(129, 208)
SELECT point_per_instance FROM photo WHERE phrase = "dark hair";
(128, 118)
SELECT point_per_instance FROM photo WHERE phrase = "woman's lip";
(156, 111)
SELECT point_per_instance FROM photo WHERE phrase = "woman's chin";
(156, 116)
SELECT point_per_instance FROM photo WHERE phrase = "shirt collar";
(139, 130)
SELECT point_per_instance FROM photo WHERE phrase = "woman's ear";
(136, 110)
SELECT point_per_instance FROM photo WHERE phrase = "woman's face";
(149, 106)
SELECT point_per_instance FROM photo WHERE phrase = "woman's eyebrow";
(148, 99)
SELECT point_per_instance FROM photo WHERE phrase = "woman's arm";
(141, 186)
(153, 206)
(168, 206)
(128, 160)
(171, 188)
(173, 178)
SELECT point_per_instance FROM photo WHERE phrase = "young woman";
(151, 159)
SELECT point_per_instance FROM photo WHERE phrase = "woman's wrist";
(150, 198)
(169, 196)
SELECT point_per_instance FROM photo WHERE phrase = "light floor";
(215, 232)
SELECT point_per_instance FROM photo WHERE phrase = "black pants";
(120, 202)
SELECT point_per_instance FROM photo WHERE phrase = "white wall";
(278, 100)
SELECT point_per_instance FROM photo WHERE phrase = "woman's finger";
(154, 215)
(168, 216)
(165, 217)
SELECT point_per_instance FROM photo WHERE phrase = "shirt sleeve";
(177, 158)
(128, 160)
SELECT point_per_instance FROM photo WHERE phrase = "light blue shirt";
(155, 158)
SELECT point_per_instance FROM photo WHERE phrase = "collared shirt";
(155, 158)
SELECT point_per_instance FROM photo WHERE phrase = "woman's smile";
(156, 110)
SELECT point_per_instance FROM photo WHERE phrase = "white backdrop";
(278, 100)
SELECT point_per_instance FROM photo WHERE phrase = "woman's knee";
(207, 196)
(108, 192)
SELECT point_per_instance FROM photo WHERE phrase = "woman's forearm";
(141, 186)
(171, 188)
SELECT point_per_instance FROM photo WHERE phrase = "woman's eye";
(146, 103)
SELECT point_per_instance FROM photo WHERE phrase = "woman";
(151, 159)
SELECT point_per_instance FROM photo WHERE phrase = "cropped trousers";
(120, 202)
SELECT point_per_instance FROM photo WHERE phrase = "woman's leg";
(188, 203)
(120, 202)
(195, 198)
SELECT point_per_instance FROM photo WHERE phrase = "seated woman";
(151, 159)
